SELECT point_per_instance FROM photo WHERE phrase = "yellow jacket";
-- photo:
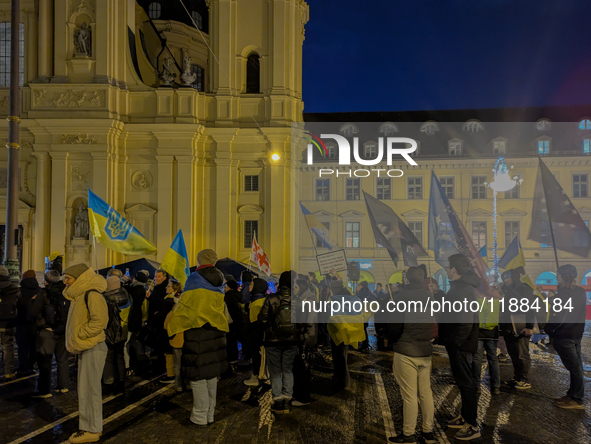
(85, 327)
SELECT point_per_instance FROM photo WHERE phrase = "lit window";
(198, 19)
(429, 128)
(253, 74)
(447, 183)
(353, 187)
(478, 187)
(388, 129)
(499, 147)
(332, 151)
(384, 188)
(543, 146)
(511, 231)
(251, 183)
(585, 124)
(479, 234)
(319, 243)
(586, 146)
(370, 151)
(513, 193)
(200, 73)
(455, 148)
(580, 185)
(352, 234)
(322, 189)
(417, 230)
(5, 54)
(251, 228)
(154, 10)
(415, 187)
(543, 125)
(472, 126)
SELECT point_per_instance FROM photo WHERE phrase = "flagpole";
(95, 253)
(549, 220)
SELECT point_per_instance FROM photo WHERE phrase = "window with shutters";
(251, 183)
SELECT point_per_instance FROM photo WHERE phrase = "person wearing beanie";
(566, 329)
(233, 300)
(25, 326)
(49, 311)
(202, 317)
(9, 297)
(254, 338)
(133, 348)
(120, 301)
(85, 336)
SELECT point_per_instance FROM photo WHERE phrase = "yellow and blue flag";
(513, 256)
(321, 232)
(113, 231)
(483, 253)
(176, 261)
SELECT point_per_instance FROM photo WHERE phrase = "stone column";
(165, 205)
(42, 211)
(45, 46)
(184, 202)
(59, 189)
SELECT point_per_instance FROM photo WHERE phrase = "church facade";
(178, 114)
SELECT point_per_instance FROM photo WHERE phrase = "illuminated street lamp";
(502, 182)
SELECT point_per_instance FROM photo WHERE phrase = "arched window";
(472, 126)
(388, 129)
(253, 74)
(585, 124)
(543, 125)
(199, 83)
(349, 130)
(429, 128)
(155, 10)
(198, 19)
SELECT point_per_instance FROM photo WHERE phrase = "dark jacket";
(204, 350)
(9, 299)
(29, 288)
(459, 331)
(267, 316)
(517, 291)
(137, 292)
(411, 331)
(488, 334)
(50, 309)
(156, 315)
(307, 324)
(233, 300)
(568, 324)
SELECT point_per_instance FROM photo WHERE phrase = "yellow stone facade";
(166, 158)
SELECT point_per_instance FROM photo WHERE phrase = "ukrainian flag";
(176, 262)
(483, 253)
(113, 231)
(318, 229)
(513, 256)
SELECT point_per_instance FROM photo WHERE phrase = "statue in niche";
(82, 40)
(81, 223)
(188, 76)
(167, 76)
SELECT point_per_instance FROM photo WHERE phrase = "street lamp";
(502, 182)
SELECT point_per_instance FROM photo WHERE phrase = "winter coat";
(517, 291)
(137, 291)
(120, 297)
(9, 299)
(233, 300)
(307, 324)
(568, 324)
(50, 309)
(459, 331)
(200, 314)
(411, 331)
(267, 316)
(29, 288)
(86, 325)
(156, 316)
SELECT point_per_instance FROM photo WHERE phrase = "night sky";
(397, 55)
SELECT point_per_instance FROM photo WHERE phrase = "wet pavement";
(150, 412)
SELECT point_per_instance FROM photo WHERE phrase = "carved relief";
(79, 179)
(78, 139)
(70, 99)
(83, 6)
(141, 180)
(27, 181)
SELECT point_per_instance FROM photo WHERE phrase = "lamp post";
(502, 182)
(10, 251)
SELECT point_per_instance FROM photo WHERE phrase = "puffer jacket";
(459, 331)
(120, 297)
(85, 327)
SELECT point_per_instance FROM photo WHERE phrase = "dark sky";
(396, 55)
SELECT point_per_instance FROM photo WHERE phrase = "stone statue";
(167, 76)
(81, 223)
(188, 76)
(82, 40)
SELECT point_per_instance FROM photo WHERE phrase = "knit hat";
(113, 283)
(568, 272)
(142, 276)
(260, 286)
(207, 257)
(4, 271)
(286, 279)
(76, 270)
(52, 276)
(29, 274)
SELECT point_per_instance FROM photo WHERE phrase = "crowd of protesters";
(216, 324)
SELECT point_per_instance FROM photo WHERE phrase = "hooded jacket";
(85, 327)
(50, 308)
(568, 324)
(9, 297)
(459, 331)
(29, 288)
(120, 297)
(201, 316)
(137, 292)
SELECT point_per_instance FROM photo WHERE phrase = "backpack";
(8, 304)
(282, 326)
(114, 330)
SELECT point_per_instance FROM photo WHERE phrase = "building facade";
(171, 115)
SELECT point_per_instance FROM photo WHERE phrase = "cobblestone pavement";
(369, 412)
